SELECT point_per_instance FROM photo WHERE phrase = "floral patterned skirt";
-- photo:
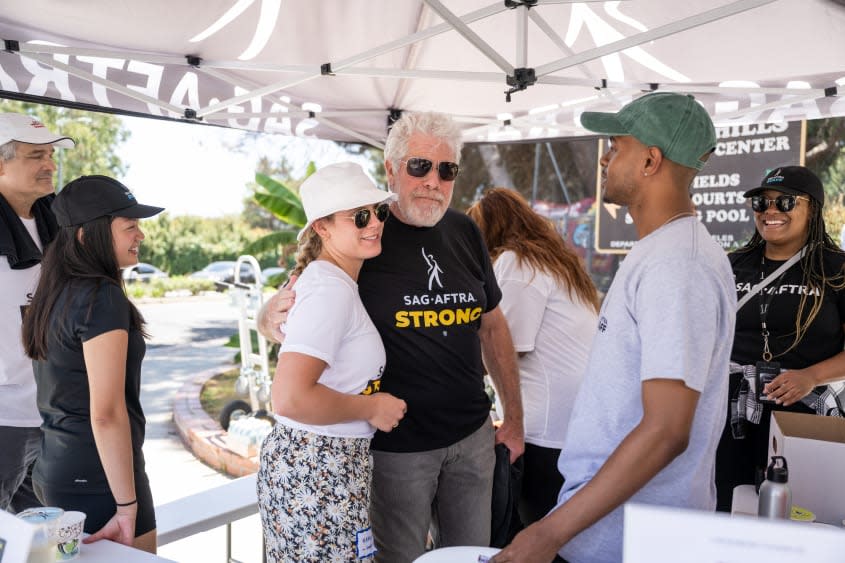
(314, 497)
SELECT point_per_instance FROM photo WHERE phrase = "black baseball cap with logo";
(795, 180)
(90, 197)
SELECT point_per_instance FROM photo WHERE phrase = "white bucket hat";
(337, 187)
(26, 129)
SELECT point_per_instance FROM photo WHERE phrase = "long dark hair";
(70, 258)
(507, 222)
(812, 265)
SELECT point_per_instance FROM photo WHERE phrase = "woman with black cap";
(789, 324)
(87, 342)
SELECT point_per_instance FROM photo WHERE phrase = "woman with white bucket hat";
(315, 470)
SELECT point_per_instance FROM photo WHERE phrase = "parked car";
(142, 272)
(273, 275)
(223, 274)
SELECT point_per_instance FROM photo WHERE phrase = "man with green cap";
(650, 411)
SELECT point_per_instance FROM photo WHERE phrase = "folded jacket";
(15, 242)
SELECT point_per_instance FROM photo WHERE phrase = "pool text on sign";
(743, 155)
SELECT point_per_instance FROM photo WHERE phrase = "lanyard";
(766, 301)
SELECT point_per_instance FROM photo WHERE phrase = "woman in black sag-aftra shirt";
(803, 310)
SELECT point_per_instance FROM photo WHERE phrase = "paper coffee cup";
(68, 535)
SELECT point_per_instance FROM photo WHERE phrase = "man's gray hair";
(428, 123)
(8, 150)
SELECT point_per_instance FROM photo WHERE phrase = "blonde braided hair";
(309, 248)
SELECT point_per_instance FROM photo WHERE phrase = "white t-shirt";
(669, 314)
(17, 382)
(329, 322)
(556, 333)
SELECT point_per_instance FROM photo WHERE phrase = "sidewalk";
(204, 436)
(186, 344)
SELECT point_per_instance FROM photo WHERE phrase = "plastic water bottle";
(775, 495)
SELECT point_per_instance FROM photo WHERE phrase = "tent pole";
(812, 95)
(685, 24)
(78, 73)
(556, 39)
(225, 78)
(269, 89)
(521, 36)
(471, 36)
(558, 174)
(535, 178)
(419, 36)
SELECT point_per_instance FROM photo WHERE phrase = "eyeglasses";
(785, 203)
(362, 216)
(419, 167)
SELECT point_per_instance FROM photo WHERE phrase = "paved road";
(186, 338)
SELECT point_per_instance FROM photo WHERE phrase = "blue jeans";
(21, 446)
(448, 490)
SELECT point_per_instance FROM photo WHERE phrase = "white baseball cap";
(337, 187)
(27, 129)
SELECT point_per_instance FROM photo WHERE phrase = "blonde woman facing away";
(551, 307)
(315, 470)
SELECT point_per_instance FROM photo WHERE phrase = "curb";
(180, 298)
(202, 435)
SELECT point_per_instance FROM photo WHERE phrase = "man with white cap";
(650, 410)
(27, 225)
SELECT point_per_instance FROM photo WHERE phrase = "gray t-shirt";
(669, 314)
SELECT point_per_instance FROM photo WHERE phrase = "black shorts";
(100, 507)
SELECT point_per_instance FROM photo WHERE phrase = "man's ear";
(80, 235)
(653, 161)
(388, 168)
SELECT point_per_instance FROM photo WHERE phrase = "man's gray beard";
(418, 218)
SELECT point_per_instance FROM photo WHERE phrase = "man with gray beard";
(434, 299)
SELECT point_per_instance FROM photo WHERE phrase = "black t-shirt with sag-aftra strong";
(426, 293)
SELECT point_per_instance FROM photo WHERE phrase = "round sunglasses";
(418, 167)
(784, 203)
(362, 216)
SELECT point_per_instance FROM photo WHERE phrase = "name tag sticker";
(365, 544)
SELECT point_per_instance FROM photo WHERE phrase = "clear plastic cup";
(45, 519)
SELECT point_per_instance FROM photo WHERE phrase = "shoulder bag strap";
(770, 278)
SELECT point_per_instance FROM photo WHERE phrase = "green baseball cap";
(675, 123)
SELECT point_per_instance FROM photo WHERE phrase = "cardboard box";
(814, 448)
(240, 446)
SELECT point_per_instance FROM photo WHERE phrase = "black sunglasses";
(362, 216)
(419, 167)
(785, 203)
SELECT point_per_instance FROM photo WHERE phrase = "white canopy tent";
(340, 69)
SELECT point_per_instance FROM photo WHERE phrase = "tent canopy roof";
(339, 70)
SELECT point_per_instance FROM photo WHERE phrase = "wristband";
(126, 503)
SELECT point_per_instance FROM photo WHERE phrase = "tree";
(186, 243)
(553, 171)
(284, 203)
(256, 215)
(825, 141)
(375, 155)
(826, 157)
(97, 136)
